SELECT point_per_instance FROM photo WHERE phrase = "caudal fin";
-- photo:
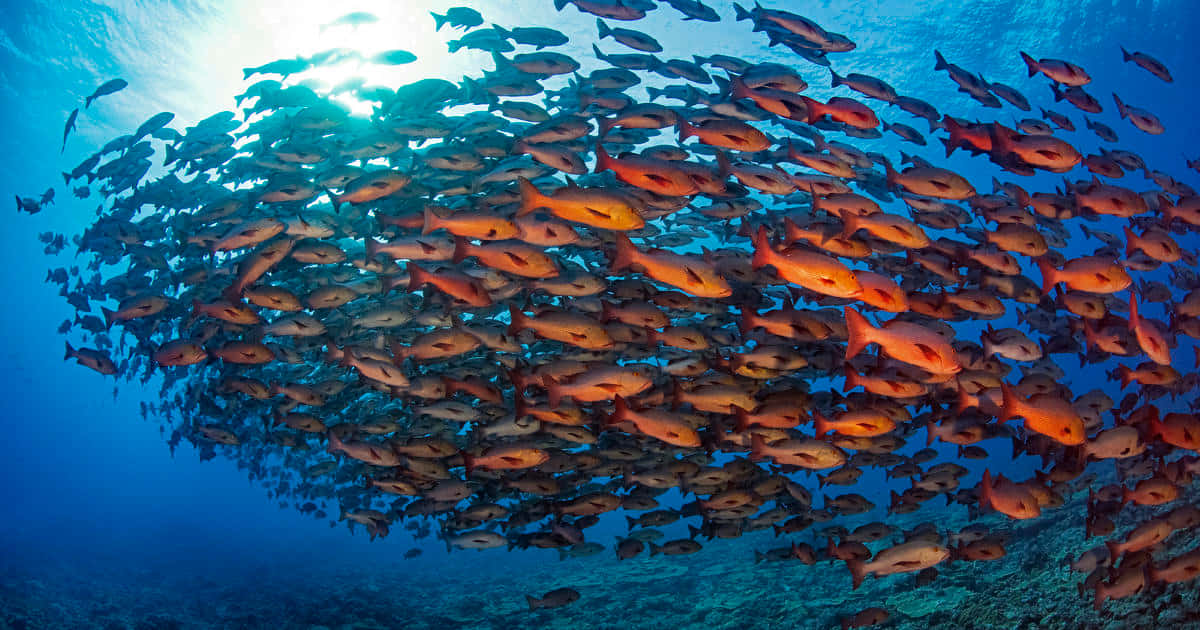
(430, 222)
(858, 332)
(531, 197)
(624, 255)
(417, 277)
(1009, 405)
(857, 572)
(1031, 64)
(1049, 275)
(762, 248)
(821, 424)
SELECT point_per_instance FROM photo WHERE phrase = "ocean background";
(101, 526)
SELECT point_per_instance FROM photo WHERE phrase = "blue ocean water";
(103, 526)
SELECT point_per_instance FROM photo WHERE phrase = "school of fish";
(499, 309)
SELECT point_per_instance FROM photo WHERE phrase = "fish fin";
(1030, 63)
(939, 61)
(531, 197)
(625, 253)
(859, 332)
(857, 572)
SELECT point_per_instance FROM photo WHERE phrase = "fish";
(104, 89)
(393, 57)
(1150, 64)
(462, 18)
(354, 19)
(69, 127)
(556, 598)
(581, 286)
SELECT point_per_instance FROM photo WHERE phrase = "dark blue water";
(103, 526)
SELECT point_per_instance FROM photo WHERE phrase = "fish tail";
(850, 224)
(742, 419)
(654, 549)
(468, 463)
(554, 391)
(1009, 405)
(940, 61)
(620, 411)
(531, 197)
(335, 444)
(70, 351)
(858, 332)
(430, 222)
(1030, 63)
(517, 320)
(532, 601)
(834, 79)
(462, 249)
(686, 130)
(748, 321)
(560, 4)
(821, 424)
(857, 572)
(762, 248)
(1131, 241)
(604, 161)
(438, 21)
(417, 276)
(1125, 54)
(757, 444)
(1120, 106)
(108, 316)
(625, 254)
(605, 31)
(985, 490)
(963, 400)
(723, 85)
(852, 378)
(740, 13)
(1049, 275)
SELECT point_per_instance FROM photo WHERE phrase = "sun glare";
(275, 30)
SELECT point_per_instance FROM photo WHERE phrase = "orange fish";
(696, 277)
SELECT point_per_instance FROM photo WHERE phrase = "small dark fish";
(1152, 65)
(557, 598)
(27, 204)
(464, 18)
(109, 87)
(68, 127)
